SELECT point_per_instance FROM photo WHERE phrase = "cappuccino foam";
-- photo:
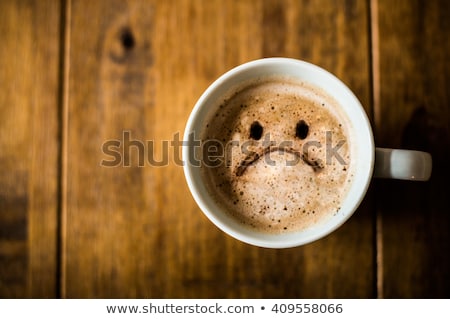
(279, 155)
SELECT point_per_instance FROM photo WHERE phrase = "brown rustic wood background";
(76, 73)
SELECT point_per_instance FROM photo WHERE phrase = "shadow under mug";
(370, 161)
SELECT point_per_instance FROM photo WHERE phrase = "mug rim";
(221, 218)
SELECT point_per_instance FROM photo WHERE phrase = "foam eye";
(256, 130)
(301, 129)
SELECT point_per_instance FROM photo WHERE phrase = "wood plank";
(414, 112)
(136, 70)
(29, 61)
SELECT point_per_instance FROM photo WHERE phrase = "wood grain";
(29, 64)
(414, 113)
(136, 70)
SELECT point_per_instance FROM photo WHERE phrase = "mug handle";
(402, 164)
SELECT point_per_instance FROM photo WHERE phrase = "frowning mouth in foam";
(250, 159)
(278, 178)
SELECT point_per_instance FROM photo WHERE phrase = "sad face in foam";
(286, 146)
(279, 175)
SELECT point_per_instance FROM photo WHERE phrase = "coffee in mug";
(279, 153)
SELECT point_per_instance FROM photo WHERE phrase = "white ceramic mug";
(370, 161)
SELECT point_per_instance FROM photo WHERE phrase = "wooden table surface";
(75, 74)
